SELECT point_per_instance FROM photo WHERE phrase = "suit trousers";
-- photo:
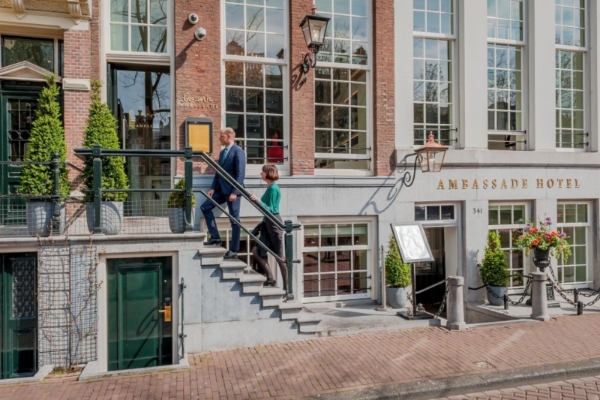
(234, 209)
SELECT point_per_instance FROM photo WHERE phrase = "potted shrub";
(176, 206)
(397, 276)
(494, 271)
(544, 242)
(101, 130)
(47, 137)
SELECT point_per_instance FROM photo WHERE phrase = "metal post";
(505, 298)
(56, 209)
(289, 258)
(539, 301)
(188, 173)
(383, 306)
(579, 307)
(97, 167)
(414, 289)
(575, 296)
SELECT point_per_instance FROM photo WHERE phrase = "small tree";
(494, 271)
(102, 130)
(47, 137)
(397, 273)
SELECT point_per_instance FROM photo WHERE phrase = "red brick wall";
(95, 35)
(197, 68)
(383, 86)
(76, 103)
(302, 97)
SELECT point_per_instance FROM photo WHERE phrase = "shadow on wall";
(372, 207)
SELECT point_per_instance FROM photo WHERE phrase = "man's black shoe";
(213, 241)
(230, 255)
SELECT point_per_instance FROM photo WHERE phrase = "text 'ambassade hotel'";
(510, 86)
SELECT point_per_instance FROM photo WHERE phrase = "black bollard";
(505, 297)
(575, 296)
(579, 307)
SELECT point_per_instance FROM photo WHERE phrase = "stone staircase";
(271, 297)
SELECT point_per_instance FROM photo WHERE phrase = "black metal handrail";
(96, 152)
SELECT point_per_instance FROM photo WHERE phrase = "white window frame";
(586, 81)
(370, 248)
(589, 282)
(284, 168)
(370, 123)
(137, 57)
(439, 222)
(526, 259)
(453, 39)
(523, 133)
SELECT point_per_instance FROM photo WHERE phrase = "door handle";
(167, 311)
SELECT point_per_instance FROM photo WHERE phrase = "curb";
(475, 383)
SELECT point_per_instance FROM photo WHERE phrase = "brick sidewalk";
(308, 368)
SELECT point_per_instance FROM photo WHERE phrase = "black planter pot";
(541, 258)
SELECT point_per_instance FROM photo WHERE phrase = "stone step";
(271, 296)
(233, 269)
(290, 310)
(308, 323)
(252, 282)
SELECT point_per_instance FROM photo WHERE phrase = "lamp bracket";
(309, 61)
(409, 177)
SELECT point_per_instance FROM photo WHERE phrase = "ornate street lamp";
(430, 157)
(313, 27)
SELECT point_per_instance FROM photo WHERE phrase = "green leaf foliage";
(47, 137)
(397, 273)
(102, 130)
(494, 270)
(177, 199)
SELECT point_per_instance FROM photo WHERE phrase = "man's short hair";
(271, 172)
(229, 131)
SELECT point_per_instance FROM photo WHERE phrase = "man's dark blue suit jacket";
(235, 165)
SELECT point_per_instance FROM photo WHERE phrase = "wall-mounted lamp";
(313, 27)
(430, 157)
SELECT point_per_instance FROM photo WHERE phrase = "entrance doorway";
(17, 113)
(140, 300)
(429, 273)
(18, 315)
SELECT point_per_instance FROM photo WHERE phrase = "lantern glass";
(313, 28)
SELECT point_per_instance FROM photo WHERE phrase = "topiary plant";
(47, 137)
(494, 270)
(177, 199)
(397, 273)
(101, 129)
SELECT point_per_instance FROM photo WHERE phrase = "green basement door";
(18, 317)
(140, 331)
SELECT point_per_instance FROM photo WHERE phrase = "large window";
(139, 26)
(571, 54)
(342, 84)
(574, 220)
(45, 53)
(255, 84)
(506, 43)
(336, 261)
(433, 89)
(507, 220)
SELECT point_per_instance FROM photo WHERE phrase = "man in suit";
(233, 160)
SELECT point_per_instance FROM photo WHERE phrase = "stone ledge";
(91, 370)
(38, 377)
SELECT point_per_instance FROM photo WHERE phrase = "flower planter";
(177, 219)
(495, 295)
(396, 297)
(541, 258)
(39, 218)
(111, 217)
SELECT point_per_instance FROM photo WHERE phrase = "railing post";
(56, 209)
(97, 167)
(456, 311)
(289, 258)
(539, 302)
(188, 174)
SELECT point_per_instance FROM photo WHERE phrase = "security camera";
(200, 33)
(193, 19)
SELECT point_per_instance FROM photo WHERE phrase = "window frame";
(56, 49)
(368, 68)
(589, 237)
(455, 114)
(523, 133)
(585, 50)
(284, 169)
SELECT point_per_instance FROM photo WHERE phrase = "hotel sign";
(493, 184)
(201, 102)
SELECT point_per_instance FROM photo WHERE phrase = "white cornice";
(25, 71)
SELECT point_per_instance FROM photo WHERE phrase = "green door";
(139, 331)
(17, 113)
(18, 320)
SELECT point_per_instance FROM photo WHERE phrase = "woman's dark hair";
(271, 172)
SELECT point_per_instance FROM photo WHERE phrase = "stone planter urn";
(541, 258)
(39, 218)
(177, 219)
(111, 217)
(495, 295)
(396, 296)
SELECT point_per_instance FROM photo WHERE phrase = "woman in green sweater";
(273, 234)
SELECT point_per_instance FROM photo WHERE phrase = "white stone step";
(271, 296)
(252, 282)
(308, 323)
(290, 310)
(232, 269)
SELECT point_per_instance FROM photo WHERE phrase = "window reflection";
(37, 51)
